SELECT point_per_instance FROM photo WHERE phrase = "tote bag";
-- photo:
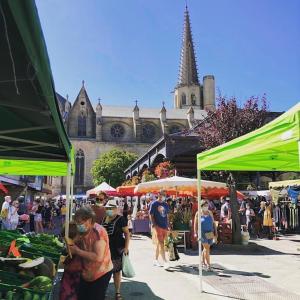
(127, 269)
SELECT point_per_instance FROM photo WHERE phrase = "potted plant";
(181, 220)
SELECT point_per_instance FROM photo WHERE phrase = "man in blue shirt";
(159, 218)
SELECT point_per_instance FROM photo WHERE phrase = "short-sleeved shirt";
(159, 211)
(115, 233)
(92, 270)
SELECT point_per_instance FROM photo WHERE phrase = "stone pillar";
(99, 121)
(137, 125)
(163, 120)
(209, 92)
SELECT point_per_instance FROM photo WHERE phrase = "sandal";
(118, 296)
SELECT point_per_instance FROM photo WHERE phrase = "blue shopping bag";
(127, 269)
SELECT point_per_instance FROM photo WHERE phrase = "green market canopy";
(273, 147)
(33, 140)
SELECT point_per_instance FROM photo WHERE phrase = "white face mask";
(205, 208)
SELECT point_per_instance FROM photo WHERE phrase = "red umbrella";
(3, 188)
(127, 190)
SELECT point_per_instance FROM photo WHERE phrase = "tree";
(228, 122)
(148, 176)
(110, 167)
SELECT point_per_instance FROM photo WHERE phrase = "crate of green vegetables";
(38, 288)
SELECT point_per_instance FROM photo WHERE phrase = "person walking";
(13, 216)
(4, 212)
(250, 219)
(267, 221)
(119, 237)
(99, 210)
(225, 214)
(208, 232)
(160, 226)
(37, 212)
(93, 248)
(47, 215)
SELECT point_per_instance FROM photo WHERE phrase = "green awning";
(33, 140)
(273, 147)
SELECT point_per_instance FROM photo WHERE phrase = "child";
(73, 267)
(130, 225)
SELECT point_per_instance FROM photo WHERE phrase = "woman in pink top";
(94, 251)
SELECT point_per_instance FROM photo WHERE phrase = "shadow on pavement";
(217, 270)
(250, 249)
(131, 290)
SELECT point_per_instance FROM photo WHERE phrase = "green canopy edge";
(28, 23)
(273, 147)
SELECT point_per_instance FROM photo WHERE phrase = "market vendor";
(94, 250)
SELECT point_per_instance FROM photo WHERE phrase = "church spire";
(188, 74)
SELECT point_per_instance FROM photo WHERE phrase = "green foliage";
(148, 176)
(110, 167)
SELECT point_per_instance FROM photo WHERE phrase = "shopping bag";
(127, 269)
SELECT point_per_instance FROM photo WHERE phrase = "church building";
(96, 130)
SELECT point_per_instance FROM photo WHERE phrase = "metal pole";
(199, 229)
(68, 201)
(72, 194)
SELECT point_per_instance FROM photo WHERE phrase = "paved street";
(263, 270)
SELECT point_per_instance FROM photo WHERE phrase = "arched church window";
(117, 131)
(183, 99)
(79, 173)
(149, 131)
(175, 129)
(193, 99)
(81, 126)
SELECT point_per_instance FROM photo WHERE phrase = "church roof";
(83, 95)
(188, 74)
(149, 113)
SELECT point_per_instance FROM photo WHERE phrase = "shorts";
(161, 233)
(38, 217)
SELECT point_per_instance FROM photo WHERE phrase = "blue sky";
(128, 50)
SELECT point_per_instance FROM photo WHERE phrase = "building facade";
(96, 130)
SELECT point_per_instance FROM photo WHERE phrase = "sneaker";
(166, 265)
(156, 263)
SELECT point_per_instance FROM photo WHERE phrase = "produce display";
(27, 265)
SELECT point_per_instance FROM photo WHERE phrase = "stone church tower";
(189, 92)
(97, 130)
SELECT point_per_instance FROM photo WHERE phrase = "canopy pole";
(299, 151)
(68, 185)
(72, 194)
(199, 229)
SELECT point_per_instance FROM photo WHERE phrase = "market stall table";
(141, 226)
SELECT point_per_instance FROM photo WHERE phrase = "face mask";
(81, 228)
(109, 213)
(99, 204)
(205, 208)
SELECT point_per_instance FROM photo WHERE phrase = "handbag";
(127, 269)
(209, 235)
